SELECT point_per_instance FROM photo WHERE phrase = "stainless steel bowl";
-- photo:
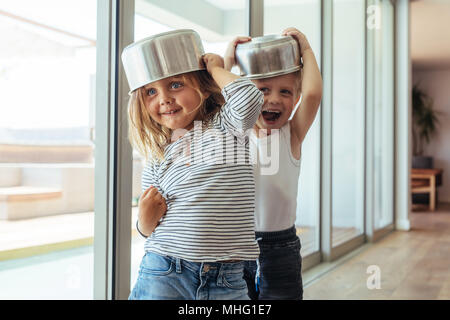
(268, 56)
(161, 56)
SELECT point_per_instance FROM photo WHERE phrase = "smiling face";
(172, 102)
(153, 120)
(280, 96)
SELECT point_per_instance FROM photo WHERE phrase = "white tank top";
(276, 179)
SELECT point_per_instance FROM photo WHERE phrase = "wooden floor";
(413, 264)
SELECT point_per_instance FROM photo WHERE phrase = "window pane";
(305, 16)
(217, 23)
(384, 117)
(348, 120)
(47, 81)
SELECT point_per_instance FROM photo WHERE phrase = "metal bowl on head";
(268, 56)
(161, 56)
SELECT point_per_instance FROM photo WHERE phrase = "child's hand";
(230, 54)
(215, 66)
(212, 60)
(300, 37)
(152, 206)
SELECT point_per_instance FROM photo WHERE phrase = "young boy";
(277, 273)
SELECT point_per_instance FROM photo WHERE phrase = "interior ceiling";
(430, 28)
(241, 4)
(430, 33)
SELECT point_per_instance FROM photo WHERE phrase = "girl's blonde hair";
(149, 137)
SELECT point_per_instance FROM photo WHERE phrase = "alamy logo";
(373, 17)
(212, 146)
(268, 160)
(374, 280)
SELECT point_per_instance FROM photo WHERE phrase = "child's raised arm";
(215, 66)
(230, 54)
(243, 100)
(311, 88)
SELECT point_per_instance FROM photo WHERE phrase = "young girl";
(198, 214)
(277, 273)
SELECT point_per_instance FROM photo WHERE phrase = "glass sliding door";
(217, 23)
(305, 16)
(47, 142)
(348, 120)
(383, 117)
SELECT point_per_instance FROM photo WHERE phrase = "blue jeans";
(280, 267)
(169, 278)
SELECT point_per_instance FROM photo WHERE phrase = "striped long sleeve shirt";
(207, 180)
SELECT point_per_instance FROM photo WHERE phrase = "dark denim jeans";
(280, 267)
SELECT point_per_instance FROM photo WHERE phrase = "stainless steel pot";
(268, 56)
(161, 56)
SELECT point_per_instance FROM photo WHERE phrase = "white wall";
(437, 84)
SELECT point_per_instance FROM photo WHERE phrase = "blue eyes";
(172, 85)
(176, 85)
(283, 92)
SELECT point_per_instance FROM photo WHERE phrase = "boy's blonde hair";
(298, 82)
(149, 137)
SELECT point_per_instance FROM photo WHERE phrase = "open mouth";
(271, 115)
(170, 113)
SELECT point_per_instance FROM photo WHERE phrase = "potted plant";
(424, 124)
